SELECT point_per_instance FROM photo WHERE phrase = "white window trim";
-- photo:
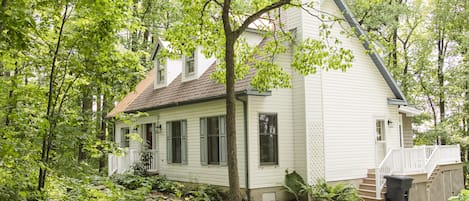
(160, 83)
(192, 75)
(268, 164)
(383, 129)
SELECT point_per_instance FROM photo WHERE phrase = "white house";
(353, 126)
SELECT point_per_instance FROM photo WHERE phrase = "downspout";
(246, 146)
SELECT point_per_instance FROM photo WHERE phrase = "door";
(380, 135)
(149, 136)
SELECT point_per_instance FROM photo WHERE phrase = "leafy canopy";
(202, 25)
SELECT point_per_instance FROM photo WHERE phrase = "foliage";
(462, 196)
(140, 168)
(322, 191)
(294, 183)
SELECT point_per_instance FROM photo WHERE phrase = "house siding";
(352, 102)
(194, 171)
(293, 20)
(314, 111)
(280, 102)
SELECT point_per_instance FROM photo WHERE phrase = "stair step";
(366, 186)
(371, 171)
(368, 198)
(371, 193)
(369, 180)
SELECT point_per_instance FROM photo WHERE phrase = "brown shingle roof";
(177, 92)
(131, 96)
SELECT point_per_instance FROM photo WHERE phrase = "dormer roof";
(160, 44)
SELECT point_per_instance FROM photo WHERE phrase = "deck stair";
(432, 177)
(367, 189)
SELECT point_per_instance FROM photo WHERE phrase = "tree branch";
(258, 14)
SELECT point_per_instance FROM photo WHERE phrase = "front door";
(380, 135)
(149, 136)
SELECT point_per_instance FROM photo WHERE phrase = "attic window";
(159, 72)
(190, 67)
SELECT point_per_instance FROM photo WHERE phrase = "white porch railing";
(421, 159)
(124, 162)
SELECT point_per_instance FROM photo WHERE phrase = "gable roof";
(146, 98)
(377, 60)
(131, 96)
(178, 93)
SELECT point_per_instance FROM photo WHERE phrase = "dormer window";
(190, 66)
(159, 72)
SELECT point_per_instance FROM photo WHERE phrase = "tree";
(218, 26)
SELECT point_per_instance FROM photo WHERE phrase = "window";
(176, 141)
(213, 140)
(190, 67)
(268, 139)
(125, 140)
(160, 72)
(380, 130)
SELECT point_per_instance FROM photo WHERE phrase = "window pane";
(380, 130)
(268, 147)
(125, 136)
(213, 140)
(268, 138)
(176, 141)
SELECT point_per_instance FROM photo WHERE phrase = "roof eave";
(248, 92)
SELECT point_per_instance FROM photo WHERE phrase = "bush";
(321, 191)
(293, 183)
(462, 196)
(325, 192)
(132, 182)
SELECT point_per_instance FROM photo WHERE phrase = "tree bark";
(230, 39)
(235, 193)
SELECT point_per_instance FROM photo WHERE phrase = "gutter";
(250, 92)
(246, 146)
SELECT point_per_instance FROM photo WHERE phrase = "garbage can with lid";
(398, 188)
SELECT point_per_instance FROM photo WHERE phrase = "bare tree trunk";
(441, 76)
(102, 136)
(86, 107)
(47, 136)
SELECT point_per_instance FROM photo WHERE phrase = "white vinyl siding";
(280, 102)
(194, 171)
(354, 100)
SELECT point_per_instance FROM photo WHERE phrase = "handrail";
(122, 163)
(411, 160)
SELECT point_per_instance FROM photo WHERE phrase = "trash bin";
(398, 188)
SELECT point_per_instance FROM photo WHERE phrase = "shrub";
(132, 182)
(462, 196)
(325, 192)
(207, 192)
(293, 184)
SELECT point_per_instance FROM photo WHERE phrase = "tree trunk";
(235, 193)
(102, 132)
(86, 107)
(47, 136)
